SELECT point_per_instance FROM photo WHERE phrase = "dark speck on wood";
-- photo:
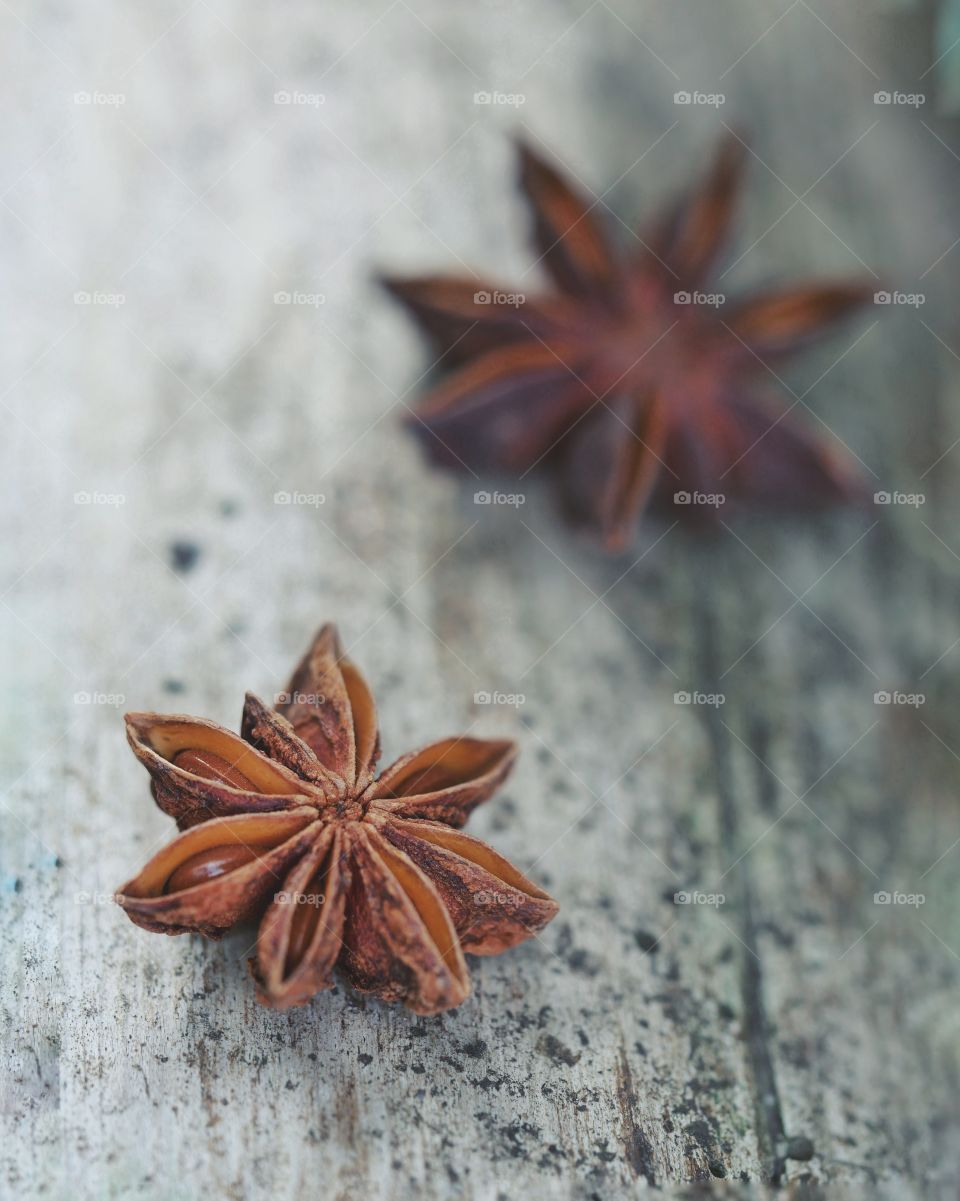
(800, 1148)
(184, 555)
(554, 1049)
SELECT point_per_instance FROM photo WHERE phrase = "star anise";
(629, 377)
(287, 823)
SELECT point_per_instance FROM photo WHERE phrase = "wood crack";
(756, 1031)
(637, 1147)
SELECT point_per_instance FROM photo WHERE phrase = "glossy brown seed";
(212, 767)
(207, 865)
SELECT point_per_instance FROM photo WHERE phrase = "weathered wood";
(638, 1041)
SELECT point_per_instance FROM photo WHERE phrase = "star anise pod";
(629, 377)
(288, 823)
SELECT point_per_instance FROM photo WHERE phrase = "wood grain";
(794, 1032)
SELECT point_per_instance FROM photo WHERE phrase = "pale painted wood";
(638, 1041)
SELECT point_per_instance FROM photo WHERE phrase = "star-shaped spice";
(630, 376)
(287, 823)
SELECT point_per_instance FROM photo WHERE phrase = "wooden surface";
(638, 1041)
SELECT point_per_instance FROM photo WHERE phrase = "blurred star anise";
(368, 875)
(629, 377)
